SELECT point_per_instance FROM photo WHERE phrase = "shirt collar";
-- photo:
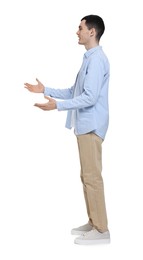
(92, 50)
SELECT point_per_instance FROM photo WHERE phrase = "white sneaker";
(93, 237)
(82, 229)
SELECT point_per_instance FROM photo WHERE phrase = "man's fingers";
(39, 82)
(39, 105)
(42, 106)
(26, 84)
(48, 98)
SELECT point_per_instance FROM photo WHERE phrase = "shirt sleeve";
(92, 84)
(59, 93)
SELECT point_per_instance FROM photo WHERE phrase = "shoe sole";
(92, 242)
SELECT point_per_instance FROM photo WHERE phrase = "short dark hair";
(95, 21)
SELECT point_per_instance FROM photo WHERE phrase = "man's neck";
(91, 45)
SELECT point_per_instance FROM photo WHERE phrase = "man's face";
(84, 34)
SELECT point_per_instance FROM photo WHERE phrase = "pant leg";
(90, 153)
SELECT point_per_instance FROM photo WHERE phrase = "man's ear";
(93, 32)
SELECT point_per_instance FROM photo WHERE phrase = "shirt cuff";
(59, 106)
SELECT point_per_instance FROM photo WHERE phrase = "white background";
(40, 190)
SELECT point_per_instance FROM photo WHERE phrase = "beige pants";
(90, 153)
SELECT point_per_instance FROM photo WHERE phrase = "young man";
(87, 105)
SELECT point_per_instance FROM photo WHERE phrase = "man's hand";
(39, 88)
(50, 105)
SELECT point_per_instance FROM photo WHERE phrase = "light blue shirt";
(87, 100)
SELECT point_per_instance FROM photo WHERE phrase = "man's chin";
(79, 42)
